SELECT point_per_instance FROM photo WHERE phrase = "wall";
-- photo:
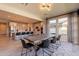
(39, 27)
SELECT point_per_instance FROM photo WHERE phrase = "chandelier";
(45, 6)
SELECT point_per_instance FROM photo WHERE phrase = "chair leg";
(26, 52)
(22, 52)
(35, 52)
(43, 51)
(46, 52)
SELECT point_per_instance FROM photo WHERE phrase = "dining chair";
(28, 33)
(24, 35)
(45, 47)
(58, 40)
(27, 46)
(53, 41)
(18, 36)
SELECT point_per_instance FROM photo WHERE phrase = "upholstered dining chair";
(18, 36)
(58, 40)
(27, 46)
(53, 43)
(45, 47)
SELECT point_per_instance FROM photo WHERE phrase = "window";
(62, 25)
(52, 26)
(58, 26)
(63, 22)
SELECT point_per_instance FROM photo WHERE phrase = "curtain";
(73, 28)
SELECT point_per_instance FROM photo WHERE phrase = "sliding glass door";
(63, 23)
(58, 26)
(52, 27)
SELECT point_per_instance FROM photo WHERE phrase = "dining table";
(37, 39)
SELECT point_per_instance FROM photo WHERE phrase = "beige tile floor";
(13, 48)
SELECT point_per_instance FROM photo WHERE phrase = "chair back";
(18, 33)
(23, 33)
(53, 39)
(58, 38)
(45, 43)
(31, 32)
(27, 32)
(23, 43)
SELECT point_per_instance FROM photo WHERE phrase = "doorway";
(63, 23)
(3, 28)
(59, 26)
(52, 27)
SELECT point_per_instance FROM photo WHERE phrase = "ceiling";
(7, 17)
(33, 12)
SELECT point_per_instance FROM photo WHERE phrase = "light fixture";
(25, 4)
(45, 6)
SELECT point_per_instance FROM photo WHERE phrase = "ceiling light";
(25, 4)
(45, 6)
